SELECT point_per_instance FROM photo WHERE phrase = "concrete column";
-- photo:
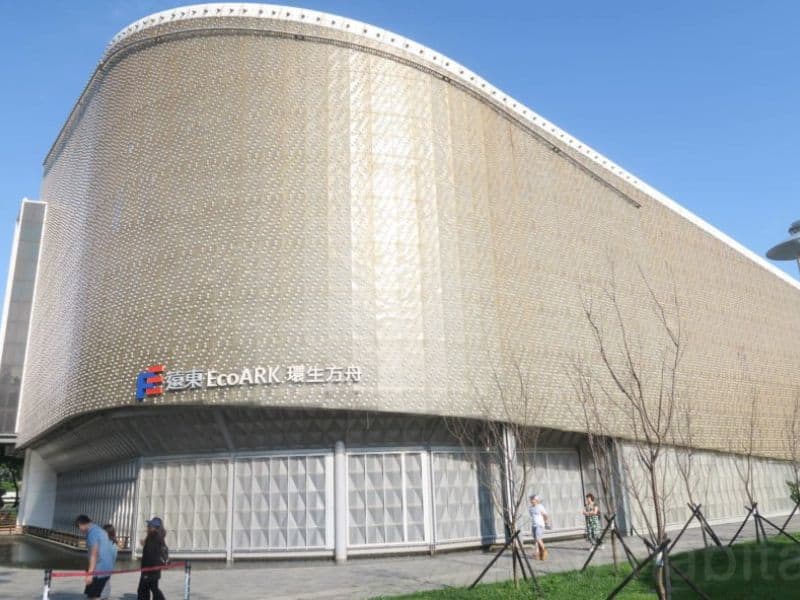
(38, 500)
(231, 508)
(340, 503)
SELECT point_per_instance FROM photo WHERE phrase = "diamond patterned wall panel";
(556, 477)
(280, 503)
(356, 499)
(386, 498)
(414, 498)
(464, 510)
(192, 497)
(264, 188)
(105, 494)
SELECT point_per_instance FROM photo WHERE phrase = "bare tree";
(598, 440)
(743, 443)
(638, 374)
(695, 483)
(792, 443)
(685, 450)
(503, 445)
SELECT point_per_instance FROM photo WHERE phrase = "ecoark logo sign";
(156, 380)
(150, 382)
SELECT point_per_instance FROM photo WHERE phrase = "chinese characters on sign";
(303, 374)
(184, 380)
(156, 380)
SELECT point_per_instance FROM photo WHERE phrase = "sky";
(699, 99)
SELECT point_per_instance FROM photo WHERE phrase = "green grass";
(746, 571)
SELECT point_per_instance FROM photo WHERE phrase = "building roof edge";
(427, 56)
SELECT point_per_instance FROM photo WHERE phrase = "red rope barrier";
(175, 565)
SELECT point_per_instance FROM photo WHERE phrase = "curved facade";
(374, 227)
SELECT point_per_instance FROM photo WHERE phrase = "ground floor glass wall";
(278, 503)
(282, 502)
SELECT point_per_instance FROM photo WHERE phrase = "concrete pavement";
(323, 580)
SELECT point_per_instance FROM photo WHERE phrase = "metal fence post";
(187, 579)
(48, 576)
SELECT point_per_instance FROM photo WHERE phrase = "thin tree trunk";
(660, 533)
(514, 558)
(658, 574)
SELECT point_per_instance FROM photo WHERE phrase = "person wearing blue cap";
(154, 554)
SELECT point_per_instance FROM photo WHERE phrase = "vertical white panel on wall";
(231, 495)
(218, 499)
(191, 496)
(556, 477)
(456, 497)
(386, 498)
(356, 500)
(415, 492)
(316, 499)
(283, 503)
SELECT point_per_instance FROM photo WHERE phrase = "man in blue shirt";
(101, 556)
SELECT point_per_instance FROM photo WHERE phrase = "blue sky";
(699, 99)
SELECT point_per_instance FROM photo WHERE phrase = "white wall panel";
(717, 486)
(386, 498)
(464, 510)
(557, 479)
(281, 503)
(191, 496)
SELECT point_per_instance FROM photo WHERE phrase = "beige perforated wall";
(234, 191)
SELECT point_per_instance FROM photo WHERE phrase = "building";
(17, 314)
(280, 246)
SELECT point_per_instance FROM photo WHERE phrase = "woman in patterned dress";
(591, 513)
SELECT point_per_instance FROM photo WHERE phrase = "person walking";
(154, 554)
(112, 535)
(591, 512)
(101, 556)
(539, 520)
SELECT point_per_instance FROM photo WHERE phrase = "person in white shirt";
(539, 519)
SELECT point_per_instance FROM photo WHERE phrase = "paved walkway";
(323, 580)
